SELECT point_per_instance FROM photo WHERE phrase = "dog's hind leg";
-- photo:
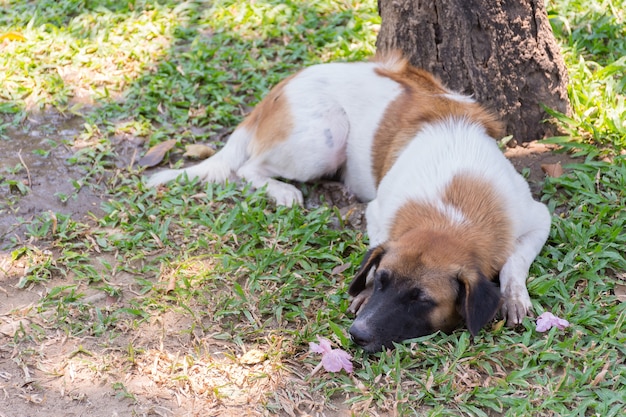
(514, 273)
(316, 147)
(259, 174)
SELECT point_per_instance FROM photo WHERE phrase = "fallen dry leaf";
(601, 375)
(33, 398)
(171, 285)
(253, 356)
(340, 268)
(620, 292)
(198, 151)
(498, 325)
(552, 170)
(430, 381)
(12, 36)
(155, 154)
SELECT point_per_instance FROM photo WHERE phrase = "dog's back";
(353, 117)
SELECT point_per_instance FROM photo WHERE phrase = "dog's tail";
(392, 60)
(217, 168)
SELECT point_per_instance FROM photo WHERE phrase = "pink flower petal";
(543, 325)
(333, 360)
(336, 360)
(547, 320)
(315, 348)
(323, 347)
(561, 323)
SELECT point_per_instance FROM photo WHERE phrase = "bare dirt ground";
(49, 373)
(47, 175)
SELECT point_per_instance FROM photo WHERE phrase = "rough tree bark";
(503, 52)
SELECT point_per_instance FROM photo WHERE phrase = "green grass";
(595, 53)
(248, 274)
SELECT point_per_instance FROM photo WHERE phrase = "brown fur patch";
(426, 245)
(271, 120)
(483, 239)
(422, 101)
(489, 230)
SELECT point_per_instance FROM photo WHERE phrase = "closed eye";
(417, 294)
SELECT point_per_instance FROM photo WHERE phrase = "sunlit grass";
(593, 37)
(73, 54)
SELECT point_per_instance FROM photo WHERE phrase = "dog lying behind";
(447, 211)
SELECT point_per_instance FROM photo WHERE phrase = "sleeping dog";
(447, 212)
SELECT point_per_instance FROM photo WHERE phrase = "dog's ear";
(479, 299)
(370, 260)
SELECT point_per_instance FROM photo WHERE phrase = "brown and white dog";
(447, 211)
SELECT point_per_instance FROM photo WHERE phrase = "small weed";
(122, 391)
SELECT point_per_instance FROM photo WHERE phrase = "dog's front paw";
(516, 306)
(284, 194)
(360, 300)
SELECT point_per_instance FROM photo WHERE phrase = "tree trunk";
(501, 52)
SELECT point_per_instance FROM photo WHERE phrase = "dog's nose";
(360, 334)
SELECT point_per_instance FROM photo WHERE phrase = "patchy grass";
(205, 297)
(595, 53)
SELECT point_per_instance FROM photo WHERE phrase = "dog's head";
(417, 286)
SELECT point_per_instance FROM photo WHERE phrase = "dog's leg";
(259, 174)
(376, 230)
(514, 273)
(317, 147)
